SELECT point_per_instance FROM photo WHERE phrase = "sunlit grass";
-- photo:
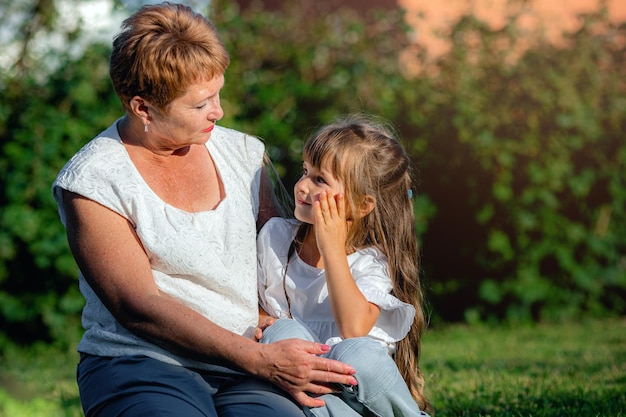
(538, 371)
(478, 371)
(39, 381)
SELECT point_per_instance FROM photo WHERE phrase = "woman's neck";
(137, 141)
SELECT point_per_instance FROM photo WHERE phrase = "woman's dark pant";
(139, 386)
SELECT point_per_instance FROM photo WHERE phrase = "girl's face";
(308, 188)
(190, 118)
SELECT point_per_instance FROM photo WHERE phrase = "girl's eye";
(320, 179)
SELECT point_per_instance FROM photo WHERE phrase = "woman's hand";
(294, 366)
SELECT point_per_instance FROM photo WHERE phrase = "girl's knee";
(285, 328)
(368, 357)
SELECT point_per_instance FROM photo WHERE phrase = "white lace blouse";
(206, 260)
(308, 292)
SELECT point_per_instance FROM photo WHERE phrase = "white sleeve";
(272, 247)
(371, 276)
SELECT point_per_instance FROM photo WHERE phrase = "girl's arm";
(265, 321)
(354, 314)
(112, 260)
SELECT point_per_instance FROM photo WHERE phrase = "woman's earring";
(145, 127)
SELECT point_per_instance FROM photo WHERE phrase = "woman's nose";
(217, 113)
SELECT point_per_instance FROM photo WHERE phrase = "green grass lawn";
(538, 371)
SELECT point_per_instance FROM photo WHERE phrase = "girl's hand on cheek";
(330, 222)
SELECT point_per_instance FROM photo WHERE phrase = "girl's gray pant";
(380, 392)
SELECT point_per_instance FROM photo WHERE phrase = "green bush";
(518, 144)
(295, 69)
(519, 155)
(525, 162)
(43, 123)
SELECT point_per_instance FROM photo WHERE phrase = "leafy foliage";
(518, 146)
(295, 69)
(518, 142)
(42, 125)
(526, 168)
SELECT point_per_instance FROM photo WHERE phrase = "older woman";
(161, 212)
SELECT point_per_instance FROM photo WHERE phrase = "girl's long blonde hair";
(366, 157)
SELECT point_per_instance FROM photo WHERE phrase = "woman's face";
(306, 191)
(189, 119)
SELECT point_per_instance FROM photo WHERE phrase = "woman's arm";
(112, 260)
(354, 315)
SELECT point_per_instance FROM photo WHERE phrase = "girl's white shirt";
(206, 260)
(308, 293)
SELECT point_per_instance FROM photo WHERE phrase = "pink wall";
(555, 16)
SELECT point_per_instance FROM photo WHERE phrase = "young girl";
(345, 273)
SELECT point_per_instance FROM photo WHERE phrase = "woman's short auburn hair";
(161, 50)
